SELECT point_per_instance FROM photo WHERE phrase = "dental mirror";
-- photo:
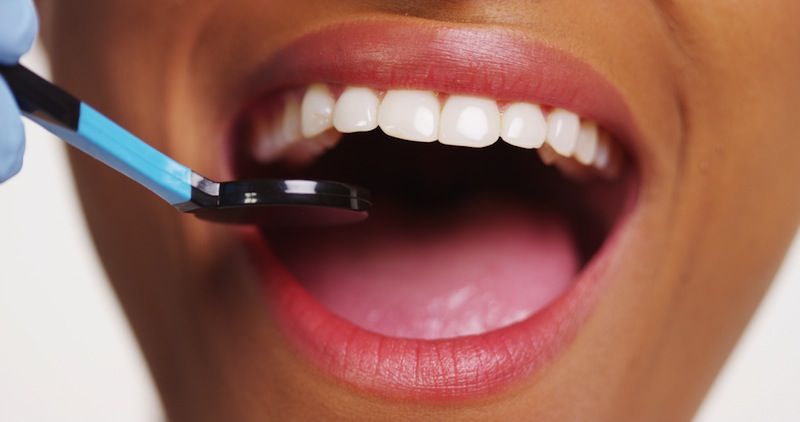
(266, 202)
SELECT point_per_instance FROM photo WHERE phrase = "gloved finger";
(12, 134)
(18, 27)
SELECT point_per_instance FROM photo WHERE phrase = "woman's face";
(486, 285)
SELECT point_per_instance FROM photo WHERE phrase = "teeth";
(303, 129)
(356, 111)
(317, 110)
(562, 131)
(523, 125)
(602, 157)
(547, 155)
(273, 136)
(608, 157)
(292, 127)
(305, 151)
(587, 143)
(469, 122)
(410, 115)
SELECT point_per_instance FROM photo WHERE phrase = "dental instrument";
(265, 202)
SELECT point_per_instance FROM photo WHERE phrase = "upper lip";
(493, 62)
(499, 63)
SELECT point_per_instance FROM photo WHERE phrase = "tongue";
(460, 273)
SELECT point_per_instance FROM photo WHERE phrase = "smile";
(504, 173)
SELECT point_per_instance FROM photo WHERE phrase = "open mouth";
(493, 208)
(471, 231)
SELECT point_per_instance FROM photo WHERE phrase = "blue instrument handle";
(95, 134)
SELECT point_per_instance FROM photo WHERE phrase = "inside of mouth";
(459, 242)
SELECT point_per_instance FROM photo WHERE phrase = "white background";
(66, 353)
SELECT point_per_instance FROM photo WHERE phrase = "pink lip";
(496, 63)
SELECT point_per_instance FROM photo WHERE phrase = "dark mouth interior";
(428, 180)
(427, 192)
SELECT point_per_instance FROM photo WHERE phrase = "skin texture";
(714, 95)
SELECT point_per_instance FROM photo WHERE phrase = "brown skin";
(712, 84)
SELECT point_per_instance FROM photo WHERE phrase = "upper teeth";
(425, 116)
(356, 111)
(410, 115)
(317, 110)
(562, 131)
(524, 125)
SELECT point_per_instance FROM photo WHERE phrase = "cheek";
(736, 208)
(740, 117)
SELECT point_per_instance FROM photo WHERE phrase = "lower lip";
(447, 369)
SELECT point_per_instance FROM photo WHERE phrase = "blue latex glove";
(18, 27)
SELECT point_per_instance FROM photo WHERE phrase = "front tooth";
(317, 110)
(410, 115)
(356, 111)
(562, 131)
(587, 143)
(523, 125)
(470, 122)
